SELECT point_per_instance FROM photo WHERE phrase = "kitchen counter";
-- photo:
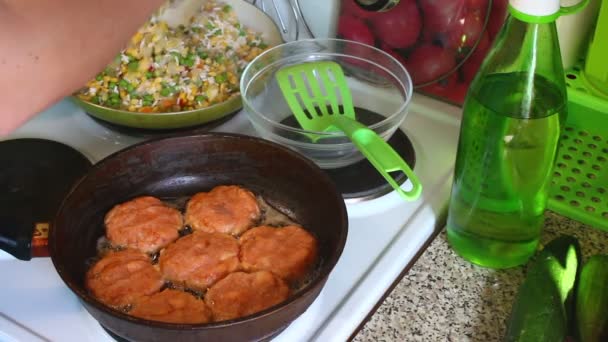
(445, 298)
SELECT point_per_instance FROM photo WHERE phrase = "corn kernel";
(137, 38)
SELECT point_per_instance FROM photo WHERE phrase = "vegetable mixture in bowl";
(181, 68)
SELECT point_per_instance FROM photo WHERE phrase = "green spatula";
(319, 98)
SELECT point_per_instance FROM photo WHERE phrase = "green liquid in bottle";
(506, 152)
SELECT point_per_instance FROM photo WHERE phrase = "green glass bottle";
(510, 129)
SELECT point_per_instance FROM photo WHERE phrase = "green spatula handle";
(380, 154)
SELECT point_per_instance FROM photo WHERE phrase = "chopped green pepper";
(200, 98)
(188, 60)
(148, 100)
(226, 8)
(133, 66)
(123, 84)
(165, 92)
(221, 78)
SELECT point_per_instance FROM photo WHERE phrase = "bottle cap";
(542, 11)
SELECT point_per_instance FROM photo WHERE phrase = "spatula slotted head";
(315, 93)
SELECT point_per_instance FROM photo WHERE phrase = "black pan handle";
(16, 237)
(35, 177)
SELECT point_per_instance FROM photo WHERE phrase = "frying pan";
(178, 166)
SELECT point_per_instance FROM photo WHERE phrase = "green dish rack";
(579, 188)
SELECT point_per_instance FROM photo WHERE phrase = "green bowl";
(250, 16)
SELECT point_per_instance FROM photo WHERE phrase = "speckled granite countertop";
(445, 298)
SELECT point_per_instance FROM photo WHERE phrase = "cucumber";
(544, 300)
(592, 300)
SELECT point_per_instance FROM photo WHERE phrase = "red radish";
(457, 93)
(352, 28)
(429, 62)
(497, 17)
(466, 31)
(400, 26)
(471, 65)
(393, 53)
(477, 5)
(439, 88)
(449, 88)
(484, 43)
(441, 15)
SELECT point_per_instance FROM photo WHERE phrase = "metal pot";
(181, 166)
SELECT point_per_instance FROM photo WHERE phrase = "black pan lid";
(35, 177)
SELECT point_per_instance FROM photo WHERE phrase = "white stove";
(384, 236)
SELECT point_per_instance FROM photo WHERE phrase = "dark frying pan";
(181, 166)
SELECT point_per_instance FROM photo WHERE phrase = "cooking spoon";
(320, 87)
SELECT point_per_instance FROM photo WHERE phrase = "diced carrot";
(167, 103)
(146, 109)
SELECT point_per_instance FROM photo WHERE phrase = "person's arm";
(49, 49)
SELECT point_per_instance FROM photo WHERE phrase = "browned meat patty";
(172, 306)
(225, 209)
(200, 259)
(144, 223)
(241, 294)
(288, 252)
(119, 278)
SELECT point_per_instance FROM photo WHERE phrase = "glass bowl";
(381, 90)
(432, 38)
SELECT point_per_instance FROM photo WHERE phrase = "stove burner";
(35, 176)
(361, 181)
(156, 133)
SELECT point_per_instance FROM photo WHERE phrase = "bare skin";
(49, 49)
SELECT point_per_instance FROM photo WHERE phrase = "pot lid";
(35, 176)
